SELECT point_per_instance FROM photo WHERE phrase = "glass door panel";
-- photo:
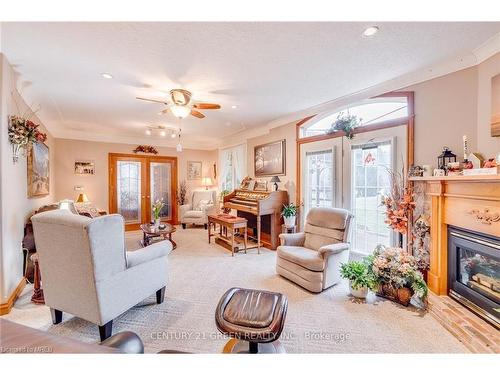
(161, 187)
(129, 190)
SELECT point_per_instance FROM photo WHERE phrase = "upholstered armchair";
(86, 271)
(312, 258)
(202, 204)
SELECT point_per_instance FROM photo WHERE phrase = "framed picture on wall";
(194, 169)
(84, 167)
(495, 106)
(269, 159)
(38, 170)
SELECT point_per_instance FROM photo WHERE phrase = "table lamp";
(275, 179)
(82, 198)
(207, 181)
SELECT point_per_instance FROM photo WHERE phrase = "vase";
(289, 221)
(15, 152)
(400, 295)
(157, 224)
(358, 293)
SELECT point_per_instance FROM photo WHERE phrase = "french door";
(136, 182)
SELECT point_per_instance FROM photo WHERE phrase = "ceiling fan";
(181, 104)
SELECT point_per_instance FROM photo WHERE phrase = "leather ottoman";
(253, 319)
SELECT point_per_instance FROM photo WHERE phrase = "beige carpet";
(330, 322)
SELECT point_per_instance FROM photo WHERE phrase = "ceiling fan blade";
(206, 106)
(197, 114)
(152, 100)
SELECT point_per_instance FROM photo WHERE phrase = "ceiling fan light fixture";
(180, 111)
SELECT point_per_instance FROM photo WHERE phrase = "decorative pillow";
(202, 204)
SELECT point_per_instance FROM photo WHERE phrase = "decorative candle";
(465, 147)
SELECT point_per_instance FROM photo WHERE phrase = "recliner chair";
(87, 272)
(312, 258)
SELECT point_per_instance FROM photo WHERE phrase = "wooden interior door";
(136, 182)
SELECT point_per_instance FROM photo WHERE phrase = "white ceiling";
(269, 70)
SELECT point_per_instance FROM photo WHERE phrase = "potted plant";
(289, 214)
(346, 123)
(396, 275)
(157, 206)
(361, 279)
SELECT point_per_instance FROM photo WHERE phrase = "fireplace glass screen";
(480, 272)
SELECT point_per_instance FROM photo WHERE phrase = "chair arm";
(126, 342)
(292, 239)
(332, 249)
(148, 253)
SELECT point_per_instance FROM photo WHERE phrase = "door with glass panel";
(137, 182)
(320, 175)
(368, 160)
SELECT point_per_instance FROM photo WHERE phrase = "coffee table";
(149, 232)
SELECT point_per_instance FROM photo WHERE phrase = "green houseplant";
(360, 277)
(346, 123)
(289, 214)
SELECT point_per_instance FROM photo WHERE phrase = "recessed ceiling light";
(163, 133)
(106, 75)
(148, 131)
(370, 31)
(234, 106)
(172, 135)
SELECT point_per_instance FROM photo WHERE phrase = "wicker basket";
(399, 295)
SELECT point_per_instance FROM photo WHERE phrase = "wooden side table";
(37, 296)
(285, 229)
(227, 226)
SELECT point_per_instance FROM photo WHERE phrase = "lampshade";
(180, 111)
(275, 179)
(82, 198)
(207, 181)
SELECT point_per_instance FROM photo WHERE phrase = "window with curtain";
(233, 167)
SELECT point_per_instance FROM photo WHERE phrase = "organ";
(262, 209)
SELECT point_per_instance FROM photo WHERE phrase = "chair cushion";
(326, 217)
(193, 213)
(302, 256)
(199, 195)
(202, 204)
(252, 315)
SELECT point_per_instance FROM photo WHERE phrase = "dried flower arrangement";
(146, 149)
(182, 193)
(346, 123)
(22, 133)
(399, 203)
(397, 275)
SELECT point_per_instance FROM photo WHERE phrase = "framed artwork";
(269, 159)
(38, 170)
(495, 106)
(84, 167)
(260, 186)
(194, 169)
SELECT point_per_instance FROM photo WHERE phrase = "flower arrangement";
(396, 273)
(345, 123)
(399, 203)
(182, 193)
(22, 133)
(145, 149)
(157, 206)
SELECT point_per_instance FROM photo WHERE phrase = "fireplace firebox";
(474, 272)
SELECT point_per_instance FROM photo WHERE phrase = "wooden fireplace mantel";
(469, 202)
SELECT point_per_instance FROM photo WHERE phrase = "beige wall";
(15, 206)
(96, 186)
(489, 146)
(286, 132)
(445, 110)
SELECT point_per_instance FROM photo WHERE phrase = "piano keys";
(262, 209)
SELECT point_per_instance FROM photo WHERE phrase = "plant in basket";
(396, 274)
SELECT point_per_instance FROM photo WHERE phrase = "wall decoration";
(495, 106)
(145, 149)
(194, 169)
(260, 186)
(23, 133)
(84, 167)
(38, 170)
(269, 159)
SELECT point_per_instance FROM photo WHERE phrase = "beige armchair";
(312, 258)
(86, 271)
(202, 204)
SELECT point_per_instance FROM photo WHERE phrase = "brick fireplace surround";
(471, 203)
